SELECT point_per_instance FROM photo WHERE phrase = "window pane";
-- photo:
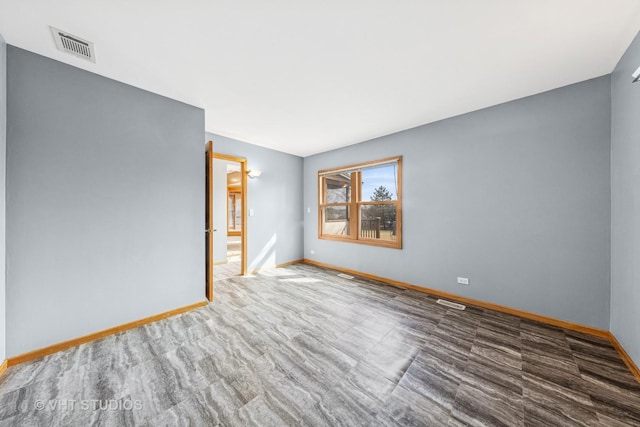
(370, 211)
(378, 222)
(335, 220)
(338, 188)
(380, 183)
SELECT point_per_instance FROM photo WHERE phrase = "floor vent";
(451, 304)
(74, 45)
(345, 276)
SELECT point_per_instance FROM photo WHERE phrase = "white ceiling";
(305, 76)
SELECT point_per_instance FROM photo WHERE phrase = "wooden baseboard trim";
(625, 356)
(37, 354)
(4, 367)
(294, 262)
(284, 264)
(501, 308)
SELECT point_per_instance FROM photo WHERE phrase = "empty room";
(320, 213)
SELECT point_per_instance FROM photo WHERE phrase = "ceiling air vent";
(74, 45)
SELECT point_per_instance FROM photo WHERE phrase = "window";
(362, 203)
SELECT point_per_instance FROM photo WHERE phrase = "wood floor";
(301, 346)
(233, 265)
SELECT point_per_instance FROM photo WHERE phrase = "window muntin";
(362, 203)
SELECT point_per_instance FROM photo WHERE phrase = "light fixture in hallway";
(254, 173)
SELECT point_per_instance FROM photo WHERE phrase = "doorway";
(228, 218)
(226, 194)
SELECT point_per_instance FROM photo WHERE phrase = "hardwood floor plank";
(301, 346)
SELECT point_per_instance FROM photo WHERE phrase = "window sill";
(394, 244)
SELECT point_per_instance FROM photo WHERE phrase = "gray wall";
(3, 170)
(105, 203)
(274, 233)
(625, 203)
(514, 197)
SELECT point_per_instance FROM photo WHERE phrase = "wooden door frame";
(243, 205)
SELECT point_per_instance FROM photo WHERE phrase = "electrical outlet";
(463, 280)
(308, 210)
(312, 251)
